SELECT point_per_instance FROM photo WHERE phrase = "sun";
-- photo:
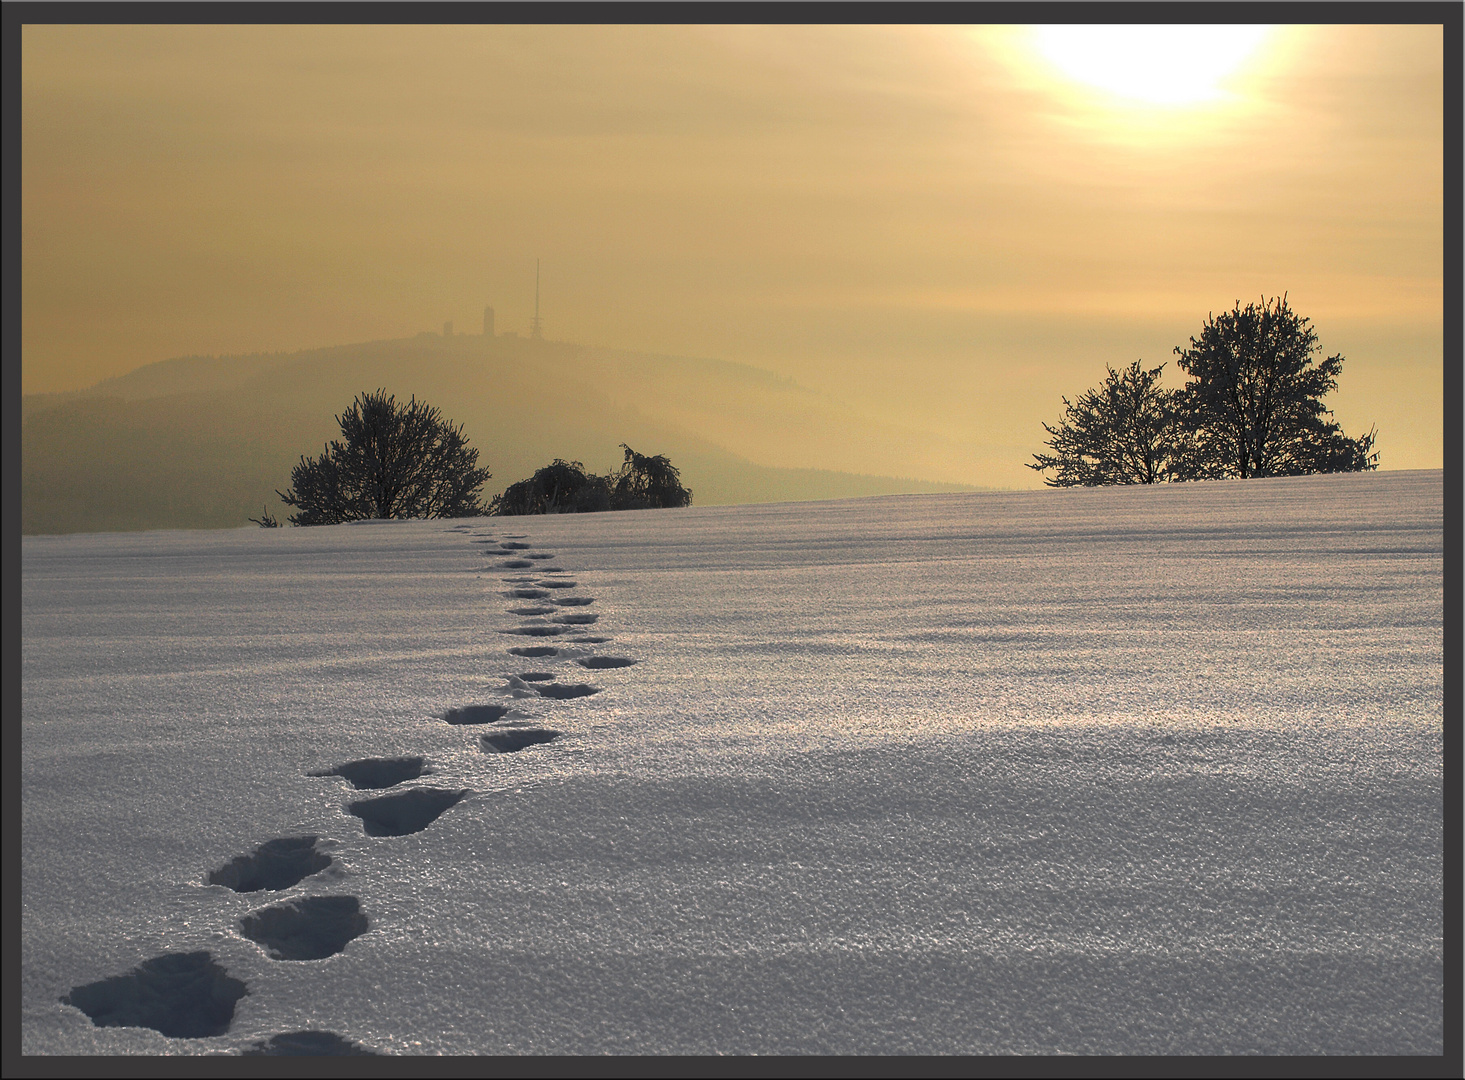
(1171, 66)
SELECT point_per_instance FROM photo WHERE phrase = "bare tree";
(561, 488)
(648, 482)
(565, 487)
(1254, 405)
(393, 461)
(1121, 432)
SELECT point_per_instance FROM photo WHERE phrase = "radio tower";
(535, 327)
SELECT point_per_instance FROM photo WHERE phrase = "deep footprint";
(598, 662)
(562, 691)
(275, 864)
(476, 714)
(539, 555)
(577, 618)
(574, 601)
(534, 650)
(535, 631)
(583, 640)
(528, 594)
(514, 564)
(311, 928)
(181, 995)
(558, 583)
(508, 545)
(307, 1044)
(512, 740)
(377, 772)
(530, 610)
(536, 676)
(410, 812)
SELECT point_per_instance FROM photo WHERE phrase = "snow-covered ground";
(1099, 771)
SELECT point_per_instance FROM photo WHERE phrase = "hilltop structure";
(536, 325)
(536, 328)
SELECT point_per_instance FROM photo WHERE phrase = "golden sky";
(939, 226)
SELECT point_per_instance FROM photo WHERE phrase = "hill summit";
(204, 441)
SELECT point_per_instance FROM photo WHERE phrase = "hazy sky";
(938, 225)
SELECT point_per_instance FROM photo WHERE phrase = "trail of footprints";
(191, 996)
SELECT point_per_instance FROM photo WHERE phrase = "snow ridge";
(1058, 772)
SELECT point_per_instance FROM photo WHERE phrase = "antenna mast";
(535, 328)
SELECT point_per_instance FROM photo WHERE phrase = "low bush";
(565, 487)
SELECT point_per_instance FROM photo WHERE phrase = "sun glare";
(1155, 65)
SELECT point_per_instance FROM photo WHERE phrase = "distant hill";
(203, 442)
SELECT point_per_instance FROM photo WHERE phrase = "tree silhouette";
(1253, 406)
(561, 488)
(564, 487)
(1119, 433)
(648, 482)
(393, 461)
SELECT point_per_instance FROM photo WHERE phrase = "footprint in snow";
(539, 555)
(535, 631)
(311, 928)
(307, 1044)
(557, 583)
(476, 714)
(534, 650)
(514, 547)
(573, 601)
(564, 692)
(597, 663)
(577, 618)
(181, 995)
(274, 865)
(513, 740)
(515, 564)
(378, 772)
(409, 812)
(527, 594)
(530, 610)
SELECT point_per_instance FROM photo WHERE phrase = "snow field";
(1113, 771)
